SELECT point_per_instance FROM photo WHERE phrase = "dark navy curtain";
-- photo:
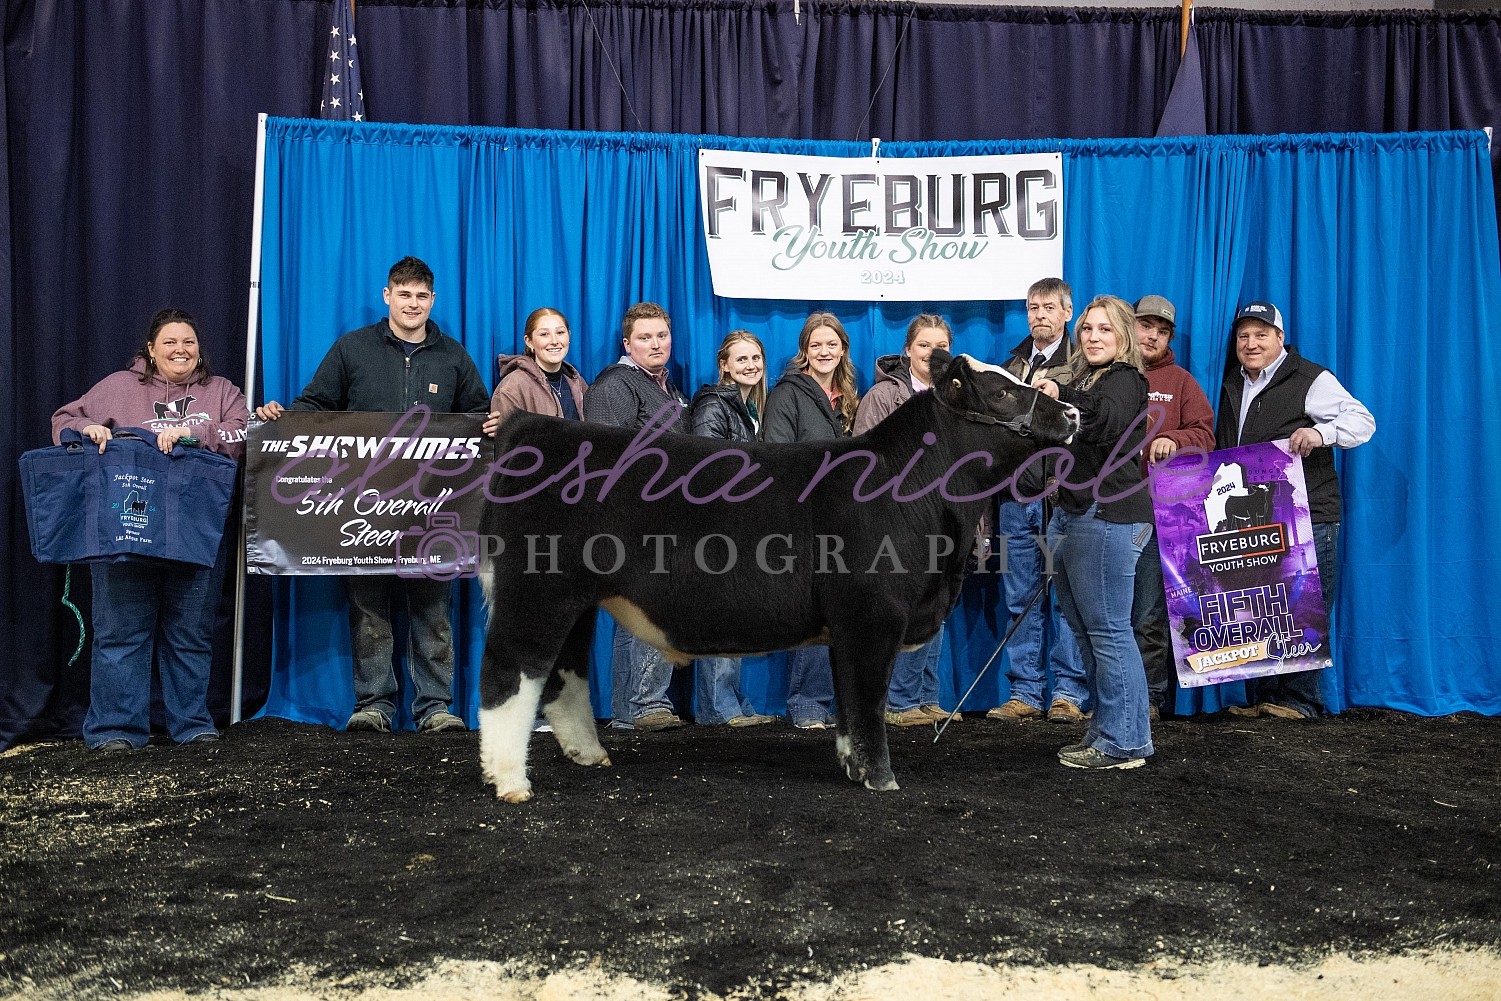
(966, 72)
(1371, 71)
(131, 158)
(639, 65)
(1384, 71)
(1326, 225)
(756, 69)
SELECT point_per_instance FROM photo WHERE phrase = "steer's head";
(988, 394)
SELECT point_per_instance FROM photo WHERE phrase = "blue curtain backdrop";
(1369, 243)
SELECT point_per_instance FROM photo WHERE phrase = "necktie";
(1037, 363)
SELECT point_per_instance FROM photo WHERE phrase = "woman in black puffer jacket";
(729, 409)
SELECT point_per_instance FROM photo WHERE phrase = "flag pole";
(1188, 10)
(252, 351)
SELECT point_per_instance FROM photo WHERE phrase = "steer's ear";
(938, 364)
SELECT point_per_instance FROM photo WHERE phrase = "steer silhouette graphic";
(175, 409)
(817, 551)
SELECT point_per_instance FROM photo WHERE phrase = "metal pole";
(1041, 586)
(252, 350)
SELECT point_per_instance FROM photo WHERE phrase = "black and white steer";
(700, 549)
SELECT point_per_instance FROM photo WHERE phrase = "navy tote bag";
(130, 501)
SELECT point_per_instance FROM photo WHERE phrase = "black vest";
(1276, 412)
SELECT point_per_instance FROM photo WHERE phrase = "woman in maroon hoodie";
(146, 607)
(539, 381)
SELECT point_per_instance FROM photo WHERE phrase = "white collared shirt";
(1047, 352)
(1340, 419)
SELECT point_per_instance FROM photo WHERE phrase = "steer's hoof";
(594, 757)
(888, 784)
(517, 795)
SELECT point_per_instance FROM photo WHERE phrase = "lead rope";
(67, 583)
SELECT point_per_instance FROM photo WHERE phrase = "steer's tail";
(485, 571)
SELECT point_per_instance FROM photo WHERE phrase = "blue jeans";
(914, 677)
(143, 607)
(1149, 622)
(1300, 691)
(639, 678)
(810, 685)
(1043, 639)
(716, 691)
(429, 642)
(1097, 560)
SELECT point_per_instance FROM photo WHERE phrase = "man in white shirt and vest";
(1277, 394)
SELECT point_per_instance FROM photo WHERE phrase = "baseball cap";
(1156, 305)
(1263, 311)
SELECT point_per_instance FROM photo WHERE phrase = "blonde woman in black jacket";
(1100, 524)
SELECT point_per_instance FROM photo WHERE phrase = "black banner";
(362, 493)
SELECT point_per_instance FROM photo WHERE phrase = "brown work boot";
(1280, 712)
(908, 717)
(750, 719)
(658, 719)
(939, 714)
(1246, 712)
(1064, 711)
(1014, 710)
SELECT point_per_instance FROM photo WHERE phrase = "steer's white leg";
(504, 731)
(846, 749)
(572, 719)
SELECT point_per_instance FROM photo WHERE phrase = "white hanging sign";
(783, 226)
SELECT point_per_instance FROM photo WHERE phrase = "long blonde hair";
(844, 374)
(758, 392)
(1123, 318)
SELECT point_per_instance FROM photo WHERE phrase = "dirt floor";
(296, 861)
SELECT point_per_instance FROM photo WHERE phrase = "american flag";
(342, 96)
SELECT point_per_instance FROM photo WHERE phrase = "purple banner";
(1238, 563)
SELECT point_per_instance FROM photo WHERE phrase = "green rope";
(67, 583)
